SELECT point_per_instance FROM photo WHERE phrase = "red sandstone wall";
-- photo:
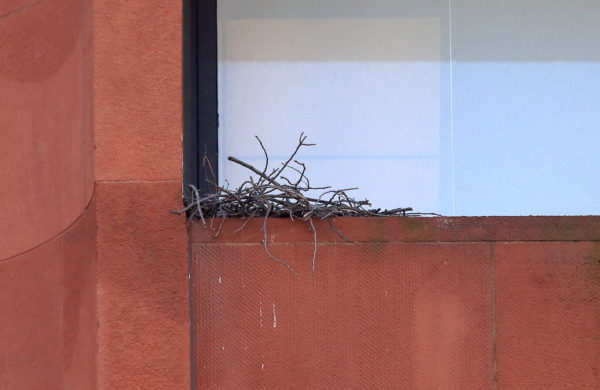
(47, 142)
(439, 303)
(48, 313)
(422, 304)
(47, 218)
(142, 249)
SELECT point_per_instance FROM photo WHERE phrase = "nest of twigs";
(275, 194)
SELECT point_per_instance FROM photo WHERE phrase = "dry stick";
(336, 192)
(183, 210)
(197, 196)
(302, 174)
(220, 226)
(212, 219)
(233, 195)
(336, 231)
(314, 259)
(286, 199)
(250, 167)
(300, 144)
(280, 187)
(206, 163)
(265, 238)
(266, 155)
(243, 225)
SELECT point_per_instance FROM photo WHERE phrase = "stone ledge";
(404, 229)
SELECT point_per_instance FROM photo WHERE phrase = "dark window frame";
(200, 99)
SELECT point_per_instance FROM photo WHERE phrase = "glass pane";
(526, 98)
(362, 79)
(458, 107)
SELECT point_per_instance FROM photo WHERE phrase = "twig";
(314, 259)
(265, 239)
(266, 155)
(243, 225)
(220, 227)
(336, 231)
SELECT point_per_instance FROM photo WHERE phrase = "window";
(449, 106)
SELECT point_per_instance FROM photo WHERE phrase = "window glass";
(457, 107)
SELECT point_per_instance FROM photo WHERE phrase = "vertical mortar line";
(191, 312)
(493, 316)
(62, 307)
(83, 37)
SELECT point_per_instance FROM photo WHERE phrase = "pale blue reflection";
(526, 138)
(453, 106)
(376, 125)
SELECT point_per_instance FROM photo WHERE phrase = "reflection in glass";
(456, 107)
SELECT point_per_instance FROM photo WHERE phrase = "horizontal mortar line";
(326, 243)
(23, 8)
(282, 243)
(139, 181)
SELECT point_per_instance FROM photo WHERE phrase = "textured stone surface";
(373, 316)
(400, 307)
(48, 313)
(142, 287)
(143, 255)
(45, 153)
(448, 303)
(548, 315)
(47, 228)
(79, 350)
(30, 320)
(138, 89)
(8, 7)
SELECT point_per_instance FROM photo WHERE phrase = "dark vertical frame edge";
(200, 103)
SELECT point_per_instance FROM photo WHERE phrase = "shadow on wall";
(46, 153)
(37, 38)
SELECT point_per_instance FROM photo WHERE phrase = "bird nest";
(285, 192)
